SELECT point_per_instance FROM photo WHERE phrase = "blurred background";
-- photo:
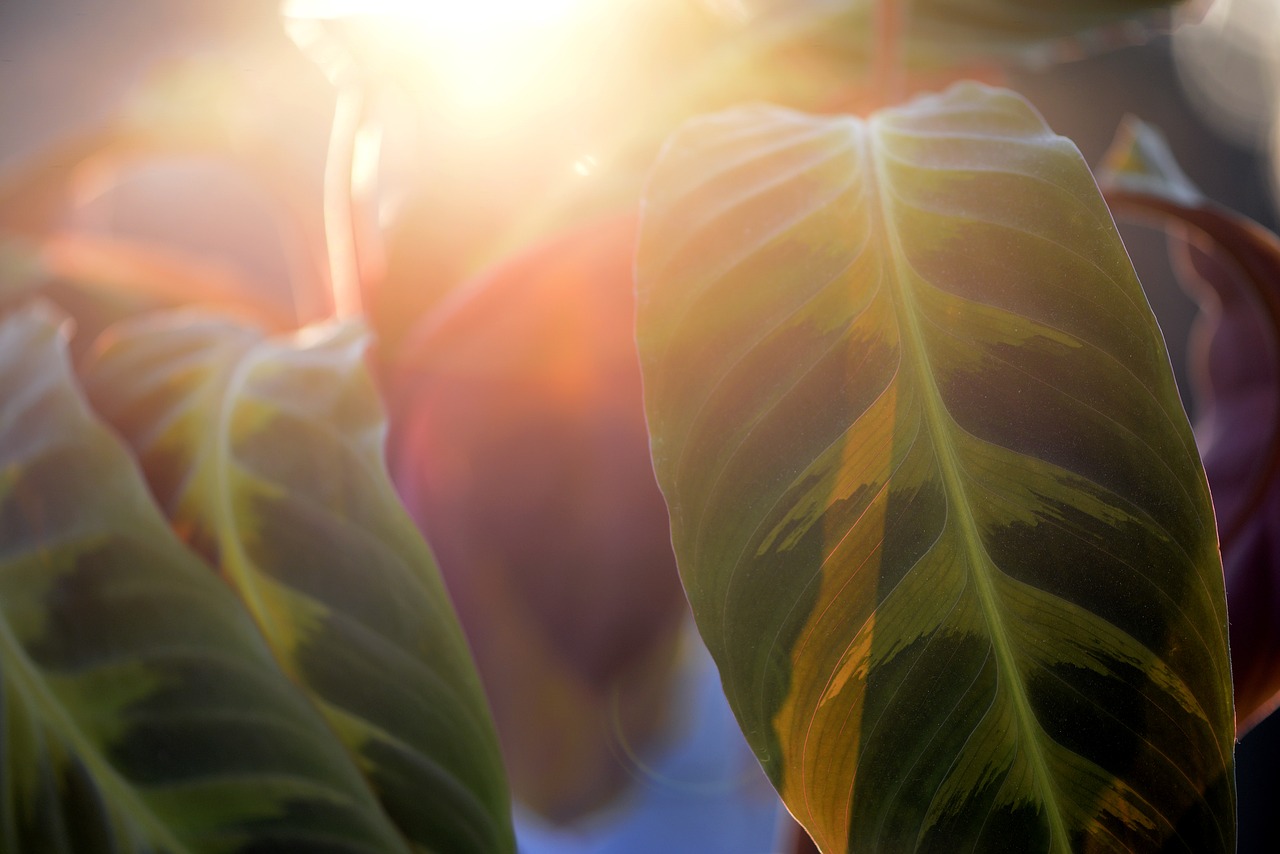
(248, 200)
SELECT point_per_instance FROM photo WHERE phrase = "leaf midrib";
(936, 418)
(36, 693)
(227, 388)
(216, 453)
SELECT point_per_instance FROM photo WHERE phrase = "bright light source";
(487, 13)
(477, 57)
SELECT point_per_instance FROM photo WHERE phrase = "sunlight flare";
(475, 60)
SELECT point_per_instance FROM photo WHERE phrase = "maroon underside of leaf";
(519, 445)
(1231, 266)
(155, 277)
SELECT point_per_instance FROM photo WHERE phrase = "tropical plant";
(932, 494)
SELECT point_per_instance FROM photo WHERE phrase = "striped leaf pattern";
(140, 710)
(267, 454)
(933, 495)
(1230, 265)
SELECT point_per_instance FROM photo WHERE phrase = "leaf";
(938, 31)
(216, 107)
(140, 710)
(21, 271)
(1139, 162)
(1231, 266)
(267, 455)
(933, 496)
(154, 276)
(1239, 370)
(99, 282)
(519, 445)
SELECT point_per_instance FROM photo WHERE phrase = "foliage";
(143, 712)
(267, 455)
(1229, 265)
(923, 467)
(935, 503)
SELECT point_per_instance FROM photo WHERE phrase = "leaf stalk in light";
(888, 79)
(340, 201)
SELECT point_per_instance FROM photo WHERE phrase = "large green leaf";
(140, 710)
(933, 495)
(267, 454)
(1231, 266)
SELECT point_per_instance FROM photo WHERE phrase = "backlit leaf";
(933, 495)
(153, 276)
(1231, 266)
(140, 710)
(99, 281)
(268, 455)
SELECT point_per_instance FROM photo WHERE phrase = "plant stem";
(339, 198)
(888, 21)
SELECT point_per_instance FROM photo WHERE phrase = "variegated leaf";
(1231, 266)
(268, 455)
(140, 710)
(933, 495)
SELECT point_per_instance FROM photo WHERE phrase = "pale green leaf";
(933, 495)
(140, 710)
(267, 454)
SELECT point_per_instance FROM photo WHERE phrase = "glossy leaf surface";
(267, 454)
(933, 495)
(140, 709)
(1231, 266)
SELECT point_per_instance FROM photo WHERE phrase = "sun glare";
(477, 57)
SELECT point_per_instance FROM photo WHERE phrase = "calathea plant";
(934, 500)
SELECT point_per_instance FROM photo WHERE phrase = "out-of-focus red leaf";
(519, 445)
(1231, 266)
(1238, 353)
(1237, 369)
(35, 198)
(157, 277)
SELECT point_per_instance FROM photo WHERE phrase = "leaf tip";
(1140, 160)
